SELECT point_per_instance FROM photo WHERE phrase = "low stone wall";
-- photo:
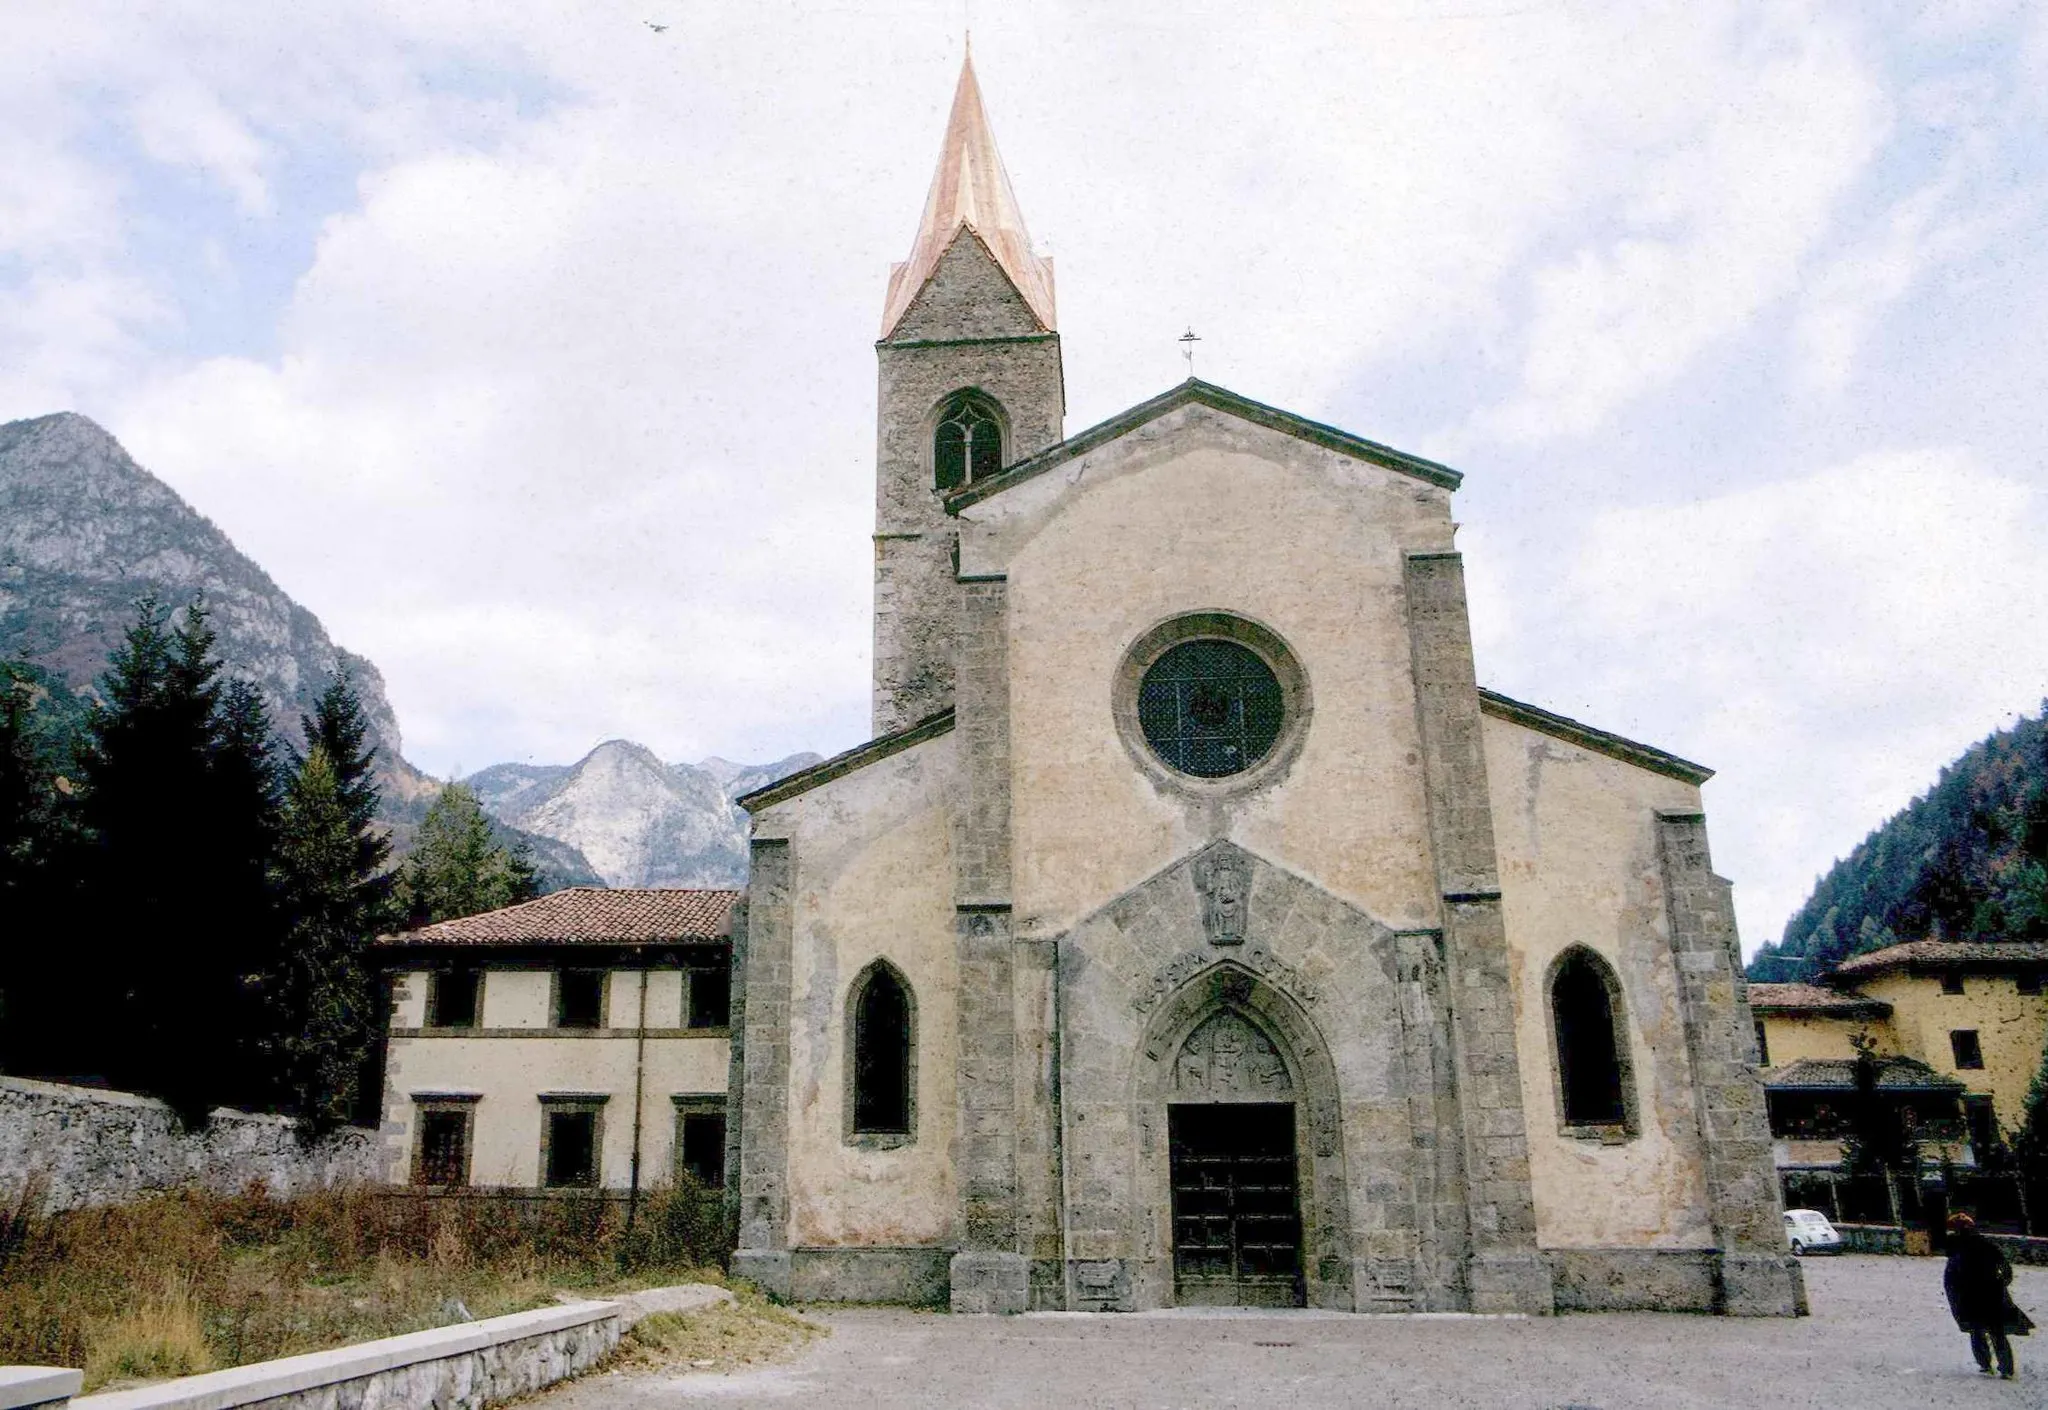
(464, 1367)
(86, 1146)
(2021, 1249)
(1872, 1238)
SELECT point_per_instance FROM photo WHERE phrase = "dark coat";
(1976, 1280)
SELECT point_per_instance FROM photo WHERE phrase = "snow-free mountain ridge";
(86, 533)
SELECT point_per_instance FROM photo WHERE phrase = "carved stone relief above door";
(1227, 1059)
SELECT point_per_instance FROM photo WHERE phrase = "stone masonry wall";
(968, 328)
(1506, 1273)
(91, 1147)
(464, 1367)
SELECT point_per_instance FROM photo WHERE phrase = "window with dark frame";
(2027, 981)
(701, 1147)
(1967, 1048)
(968, 442)
(571, 1155)
(454, 998)
(881, 1055)
(1951, 982)
(1210, 708)
(1763, 1045)
(710, 996)
(1591, 1069)
(442, 1157)
(579, 998)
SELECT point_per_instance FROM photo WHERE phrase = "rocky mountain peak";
(639, 821)
(86, 533)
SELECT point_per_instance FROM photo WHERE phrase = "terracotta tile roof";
(1811, 998)
(1895, 1074)
(1945, 954)
(588, 915)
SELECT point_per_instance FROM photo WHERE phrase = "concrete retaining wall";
(463, 1367)
(88, 1146)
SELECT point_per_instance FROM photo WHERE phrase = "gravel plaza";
(1879, 1336)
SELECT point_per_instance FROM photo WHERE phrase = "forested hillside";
(1967, 860)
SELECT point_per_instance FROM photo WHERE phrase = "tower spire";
(971, 188)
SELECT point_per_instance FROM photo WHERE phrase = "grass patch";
(749, 1331)
(195, 1281)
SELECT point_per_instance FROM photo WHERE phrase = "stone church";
(1195, 929)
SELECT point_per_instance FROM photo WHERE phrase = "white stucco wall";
(1576, 833)
(872, 872)
(509, 1074)
(1202, 512)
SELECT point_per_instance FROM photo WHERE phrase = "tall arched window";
(1592, 1046)
(882, 1021)
(968, 443)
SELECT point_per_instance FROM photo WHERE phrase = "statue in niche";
(1223, 876)
(1228, 1058)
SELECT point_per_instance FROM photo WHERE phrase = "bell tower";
(970, 383)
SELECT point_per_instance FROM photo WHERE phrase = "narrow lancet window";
(1592, 1056)
(882, 1043)
(968, 444)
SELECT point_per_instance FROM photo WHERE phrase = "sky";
(531, 348)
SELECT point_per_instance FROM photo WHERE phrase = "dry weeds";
(191, 1281)
(749, 1331)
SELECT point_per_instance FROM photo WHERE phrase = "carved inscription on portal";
(1223, 876)
(1227, 1059)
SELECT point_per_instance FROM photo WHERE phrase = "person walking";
(1978, 1281)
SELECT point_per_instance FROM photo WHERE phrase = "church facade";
(1195, 929)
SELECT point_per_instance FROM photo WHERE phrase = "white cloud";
(1740, 169)
(1827, 642)
(185, 125)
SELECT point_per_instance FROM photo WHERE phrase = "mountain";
(639, 821)
(1967, 860)
(86, 533)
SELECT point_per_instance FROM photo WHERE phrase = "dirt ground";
(1879, 1336)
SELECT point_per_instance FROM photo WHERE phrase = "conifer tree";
(321, 991)
(339, 727)
(178, 807)
(31, 828)
(457, 868)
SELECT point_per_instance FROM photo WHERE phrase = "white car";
(1808, 1231)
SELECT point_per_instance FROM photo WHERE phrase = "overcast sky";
(531, 348)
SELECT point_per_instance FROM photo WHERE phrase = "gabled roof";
(588, 915)
(1926, 956)
(970, 189)
(840, 765)
(1811, 999)
(1191, 392)
(1600, 741)
(1894, 1074)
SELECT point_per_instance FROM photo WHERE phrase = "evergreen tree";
(338, 727)
(27, 785)
(178, 806)
(457, 868)
(322, 994)
(32, 833)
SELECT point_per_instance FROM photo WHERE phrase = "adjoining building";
(574, 1042)
(1195, 929)
(1961, 1028)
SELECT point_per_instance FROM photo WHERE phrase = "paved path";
(1880, 1336)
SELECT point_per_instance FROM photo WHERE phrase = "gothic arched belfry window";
(968, 442)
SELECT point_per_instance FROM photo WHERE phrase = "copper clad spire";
(971, 188)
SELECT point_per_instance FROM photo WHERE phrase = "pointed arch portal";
(1239, 1149)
